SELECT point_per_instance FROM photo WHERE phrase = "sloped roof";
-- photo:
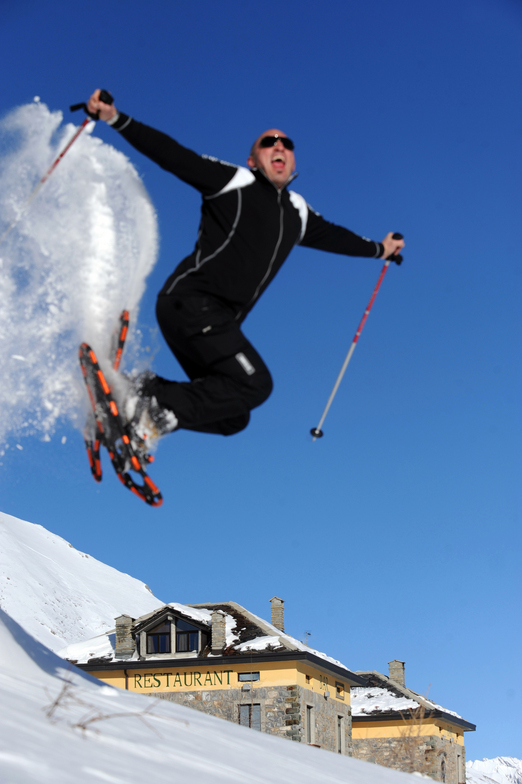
(246, 633)
(252, 633)
(384, 697)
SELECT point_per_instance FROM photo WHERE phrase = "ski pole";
(106, 98)
(316, 431)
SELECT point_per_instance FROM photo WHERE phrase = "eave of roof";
(433, 714)
(252, 658)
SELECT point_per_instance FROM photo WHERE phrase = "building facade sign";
(180, 679)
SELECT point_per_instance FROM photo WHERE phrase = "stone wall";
(283, 712)
(325, 714)
(225, 703)
(439, 758)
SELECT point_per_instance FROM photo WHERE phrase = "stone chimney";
(396, 671)
(219, 636)
(278, 612)
(125, 645)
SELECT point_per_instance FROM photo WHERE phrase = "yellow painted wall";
(322, 682)
(207, 677)
(401, 728)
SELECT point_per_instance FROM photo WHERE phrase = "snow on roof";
(103, 646)
(263, 636)
(200, 616)
(287, 641)
(374, 699)
(385, 696)
(301, 646)
(434, 705)
(98, 647)
(260, 644)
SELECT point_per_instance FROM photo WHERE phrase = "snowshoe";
(106, 426)
(90, 432)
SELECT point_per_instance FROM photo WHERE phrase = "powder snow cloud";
(76, 257)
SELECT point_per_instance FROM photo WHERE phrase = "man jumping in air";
(250, 222)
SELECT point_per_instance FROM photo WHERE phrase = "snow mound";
(58, 594)
(59, 725)
(501, 770)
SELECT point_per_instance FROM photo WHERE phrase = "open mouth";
(278, 162)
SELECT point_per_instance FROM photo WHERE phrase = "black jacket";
(248, 226)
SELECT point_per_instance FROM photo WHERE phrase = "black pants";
(228, 378)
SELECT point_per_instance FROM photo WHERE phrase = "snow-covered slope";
(59, 725)
(58, 594)
(501, 770)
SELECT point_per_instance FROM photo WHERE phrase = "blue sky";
(398, 534)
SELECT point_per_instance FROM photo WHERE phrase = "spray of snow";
(77, 255)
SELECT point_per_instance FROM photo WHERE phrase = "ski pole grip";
(105, 97)
(396, 258)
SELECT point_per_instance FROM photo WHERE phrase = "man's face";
(277, 162)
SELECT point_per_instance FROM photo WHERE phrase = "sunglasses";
(271, 141)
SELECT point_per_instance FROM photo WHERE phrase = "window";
(310, 728)
(244, 677)
(443, 770)
(339, 690)
(340, 734)
(158, 639)
(187, 637)
(174, 636)
(308, 678)
(250, 716)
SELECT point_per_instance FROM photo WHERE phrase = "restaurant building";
(223, 660)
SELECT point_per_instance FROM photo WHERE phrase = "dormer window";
(172, 637)
(158, 639)
(187, 637)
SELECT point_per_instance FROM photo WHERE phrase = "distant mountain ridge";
(500, 770)
(58, 594)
